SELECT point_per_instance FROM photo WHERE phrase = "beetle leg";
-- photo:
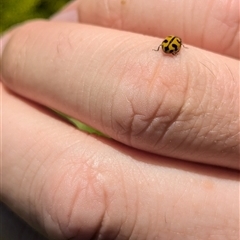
(157, 48)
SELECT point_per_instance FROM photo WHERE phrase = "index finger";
(184, 106)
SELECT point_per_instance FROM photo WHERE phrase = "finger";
(212, 25)
(73, 186)
(184, 106)
(68, 13)
(33, 183)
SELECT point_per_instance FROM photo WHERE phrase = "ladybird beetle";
(171, 45)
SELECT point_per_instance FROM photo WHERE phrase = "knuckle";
(150, 110)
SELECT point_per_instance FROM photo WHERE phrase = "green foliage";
(13, 11)
(80, 125)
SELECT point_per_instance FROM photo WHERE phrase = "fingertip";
(69, 13)
(3, 41)
(70, 16)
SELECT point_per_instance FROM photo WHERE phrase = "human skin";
(170, 169)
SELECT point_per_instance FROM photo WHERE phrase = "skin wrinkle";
(201, 98)
(134, 216)
(121, 56)
(111, 203)
(63, 44)
(116, 125)
(185, 27)
(14, 69)
(144, 114)
(39, 199)
(50, 214)
(232, 83)
(138, 200)
(228, 125)
(118, 229)
(177, 146)
(208, 69)
(154, 125)
(170, 125)
(130, 124)
(110, 69)
(235, 139)
(83, 76)
(92, 86)
(74, 202)
(101, 222)
(31, 206)
(62, 153)
(231, 25)
(125, 127)
(197, 116)
(234, 41)
(21, 183)
(42, 210)
(206, 93)
(115, 16)
(70, 67)
(71, 203)
(207, 28)
(215, 123)
(105, 226)
(200, 139)
(128, 129)
(22, 53)
(78, 191)
(107, 11)
(34, 221)
(150, 118)
(144, 180)
(54, 216)
(155, 114)
(152, 216)
(229, 42)
(126, 205)
(149, 121)
(111, 113)
(124, 65)
(177, 112)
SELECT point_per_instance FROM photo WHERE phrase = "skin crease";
(71, 185)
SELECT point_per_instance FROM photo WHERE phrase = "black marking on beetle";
(171, 40)
(175, 46)
(166, 49)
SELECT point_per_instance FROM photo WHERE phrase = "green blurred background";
(14, 11)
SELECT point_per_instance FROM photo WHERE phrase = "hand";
(160, 109)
